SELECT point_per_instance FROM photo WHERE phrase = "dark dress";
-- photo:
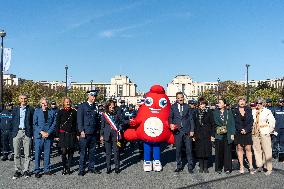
(66, 128)
(203, 131)
(243, 122)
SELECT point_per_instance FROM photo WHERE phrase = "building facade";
(193, 89)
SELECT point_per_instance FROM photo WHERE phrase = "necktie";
(257, 121)
(180, 109)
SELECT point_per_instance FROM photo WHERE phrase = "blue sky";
(151, 41)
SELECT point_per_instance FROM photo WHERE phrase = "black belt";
(22, 129)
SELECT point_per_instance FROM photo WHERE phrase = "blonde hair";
(42, 99)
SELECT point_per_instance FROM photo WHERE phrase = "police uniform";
(87, 122)
(6, 117)
(279, 128)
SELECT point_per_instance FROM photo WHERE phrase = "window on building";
(119, 90)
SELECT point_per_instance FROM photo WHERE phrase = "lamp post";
(247, 66)
(91, 84)
(218, 93)
(66, 78)
(2, 35)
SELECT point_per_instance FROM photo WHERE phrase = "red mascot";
(151, 126)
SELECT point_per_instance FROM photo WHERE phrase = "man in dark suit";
(44, 121)
(181, 122)
(22, 133)
(88, 124)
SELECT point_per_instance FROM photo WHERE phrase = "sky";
(150, 41)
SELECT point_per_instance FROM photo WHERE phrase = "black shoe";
(17, 175)
(228, 172)
(68, 171)
(190, 171)
(95, 171)
(4, 158)
(27, 174)
(205, 171)
(48, 173)
(64, 172)
(37, 175)
(178, 170)
(201, 170)
(81, 173)
(117, 171)
(108, 171)
(219, 172)
(11, 158)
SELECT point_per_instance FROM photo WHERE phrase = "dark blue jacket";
(87, 118)
(28, 121)
(185, 122)
(40, 124)
(6, 118)
(106, 129)
(238, 123)
(279, 117)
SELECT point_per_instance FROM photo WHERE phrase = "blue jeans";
(87, 143)
(42, 145)
(148, 148)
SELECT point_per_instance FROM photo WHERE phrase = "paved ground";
(133, 176)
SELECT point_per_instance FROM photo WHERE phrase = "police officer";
(54, 107)
(269, 105)
(279, 130)
(6, 130)
(192, 106)
(88, 124)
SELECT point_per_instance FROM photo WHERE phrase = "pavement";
(133, 176)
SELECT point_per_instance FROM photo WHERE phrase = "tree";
(265, 93)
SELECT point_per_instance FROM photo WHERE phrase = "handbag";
(221, 130)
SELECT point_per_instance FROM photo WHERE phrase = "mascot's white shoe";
(157, 166)
(147, 166)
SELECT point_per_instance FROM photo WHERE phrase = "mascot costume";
(151, 126)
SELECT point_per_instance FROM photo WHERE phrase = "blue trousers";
(281, 140)
(42, 145)
(87, 143)
(152, 147)
(7, 142)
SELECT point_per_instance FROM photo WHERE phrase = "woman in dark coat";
(203, 134)
(111, 125)
(224, 137)
(66, 133)
(244, 123)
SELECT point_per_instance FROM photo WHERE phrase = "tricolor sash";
(113, 126)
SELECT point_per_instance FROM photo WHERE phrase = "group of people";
(249, 127)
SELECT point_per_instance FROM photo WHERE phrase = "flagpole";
(66, 75)
(2, 35)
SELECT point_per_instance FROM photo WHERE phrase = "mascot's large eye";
(148, 101)
(163, 102)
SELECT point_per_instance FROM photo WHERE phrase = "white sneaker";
(267, 173)
(147, 166)
(157, 166)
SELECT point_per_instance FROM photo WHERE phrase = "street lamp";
(91, 84)
(2, 35)
(247, 66)
(66, 78)
(218, 93)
